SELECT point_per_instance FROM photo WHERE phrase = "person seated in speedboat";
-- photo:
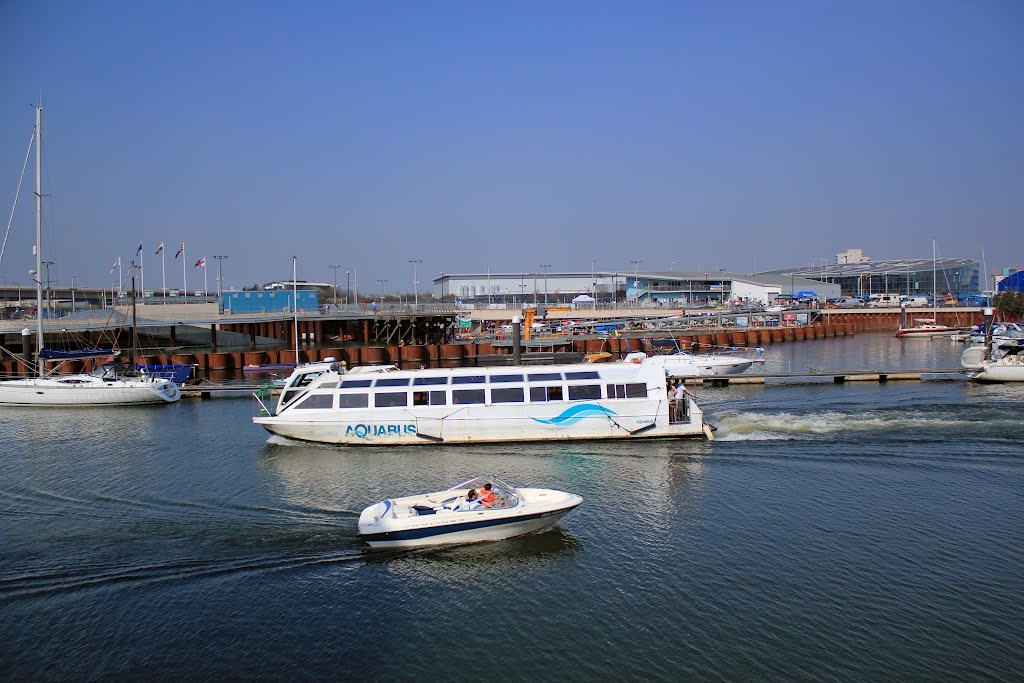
(460, 504)
(472, 502)
(488, 497)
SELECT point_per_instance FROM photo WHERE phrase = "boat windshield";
(506, 493)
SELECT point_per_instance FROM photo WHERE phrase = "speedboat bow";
(449, 517)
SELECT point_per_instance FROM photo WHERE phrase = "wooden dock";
(836, 376)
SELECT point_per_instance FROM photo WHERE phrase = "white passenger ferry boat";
(382, 405)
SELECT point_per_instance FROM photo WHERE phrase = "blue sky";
(511, 134)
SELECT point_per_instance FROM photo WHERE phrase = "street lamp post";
(220, 275)
(545, 266)
(593, 278)
(335, 269)
(722, 297)
(73, 277)
(636, 280)
(348, 286)
(415, 281)
(488, 285)
(381, 283)
(49, 294)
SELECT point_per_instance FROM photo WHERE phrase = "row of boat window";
(440, 397)
(467, 379)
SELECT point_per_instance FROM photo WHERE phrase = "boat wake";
(151, 541)
(938, 423)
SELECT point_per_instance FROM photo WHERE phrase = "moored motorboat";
(1000, 364)
(684, 364)
(448, 516)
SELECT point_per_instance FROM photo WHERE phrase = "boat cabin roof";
(622, 372)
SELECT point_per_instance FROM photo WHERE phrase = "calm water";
(851, 532)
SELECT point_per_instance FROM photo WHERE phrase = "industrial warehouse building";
(852, 274)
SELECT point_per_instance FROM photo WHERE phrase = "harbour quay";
(435, 335)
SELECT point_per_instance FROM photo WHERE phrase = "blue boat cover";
(56, 354)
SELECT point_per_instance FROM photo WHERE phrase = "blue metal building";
(1013, 282)
(278, 301)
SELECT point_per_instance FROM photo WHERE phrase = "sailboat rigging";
(927, 328)
(99, 388)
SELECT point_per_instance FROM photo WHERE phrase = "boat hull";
(996, 372)
(474, 526)
(46, 392)
(386, 430)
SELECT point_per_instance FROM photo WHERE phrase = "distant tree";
(1010, 305)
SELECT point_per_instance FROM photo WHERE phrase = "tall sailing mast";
(39, 240)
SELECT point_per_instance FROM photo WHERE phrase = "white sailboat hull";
(86, 390)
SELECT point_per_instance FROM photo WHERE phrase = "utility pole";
(415, 281)
(220, 275)
(636, 280)
(49, 293)
(335, 269)
(545, 266)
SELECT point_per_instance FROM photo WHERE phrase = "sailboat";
(104, 387)
(926, 328)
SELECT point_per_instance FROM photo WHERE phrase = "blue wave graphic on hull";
(577, 413)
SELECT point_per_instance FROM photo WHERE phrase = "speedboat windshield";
(506, 491)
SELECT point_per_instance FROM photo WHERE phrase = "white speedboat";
(685, 364)
(1002, 364)
(447, 517)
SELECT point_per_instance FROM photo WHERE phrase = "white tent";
(581, 300)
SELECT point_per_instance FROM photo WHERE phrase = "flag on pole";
(139, 250)
(116, 264)
(201, 262)
(160, 248)
(180, 249)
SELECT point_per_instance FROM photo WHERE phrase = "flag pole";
(142, 274)
(204, 276)
(163, 271)
(184, 264)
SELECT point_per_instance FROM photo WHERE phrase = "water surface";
(833, 532)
